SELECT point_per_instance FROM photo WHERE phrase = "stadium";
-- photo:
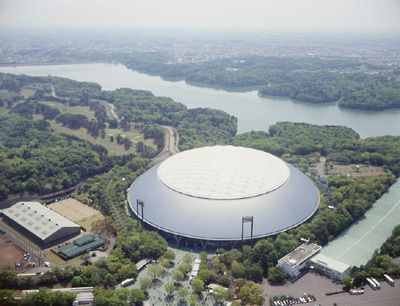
(222, 195)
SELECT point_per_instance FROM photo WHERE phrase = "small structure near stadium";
(80, 246)
(39, 223)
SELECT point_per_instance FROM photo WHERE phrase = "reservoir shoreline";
(254, 112)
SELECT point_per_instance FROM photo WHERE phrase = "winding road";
(171, 141)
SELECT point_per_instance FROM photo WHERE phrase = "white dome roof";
(223, 172)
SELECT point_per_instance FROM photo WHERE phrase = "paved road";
(53, 91)
(112, 109)
(171, 141)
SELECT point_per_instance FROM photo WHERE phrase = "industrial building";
(222, 195)
(294, 262)
(80, 246)
(333, 268)
(39, 223)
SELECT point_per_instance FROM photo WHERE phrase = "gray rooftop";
(301, 253)
(37, 218)
(330, 263)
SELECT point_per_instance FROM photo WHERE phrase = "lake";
(253, 112)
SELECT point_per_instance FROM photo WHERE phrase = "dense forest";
(311, 79)
(35, 160)
(340, 144)
(196, 127)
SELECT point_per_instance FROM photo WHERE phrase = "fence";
(24, 243)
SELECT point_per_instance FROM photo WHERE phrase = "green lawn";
(27, 92)
(112, 147)
(83, 110)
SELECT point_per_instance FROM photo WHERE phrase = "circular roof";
(223, 172)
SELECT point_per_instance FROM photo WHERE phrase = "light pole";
(141, 203)
(248, 219)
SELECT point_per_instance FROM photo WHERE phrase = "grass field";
(58, 260)
(112, 147)
(82, 110)
(27, 92)
(76, 212)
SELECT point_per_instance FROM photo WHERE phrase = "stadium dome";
(206, 194)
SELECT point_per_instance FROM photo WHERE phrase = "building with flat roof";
(298, 259)
(331, 267)
(222, 195)
(80, 246)
(40, 223)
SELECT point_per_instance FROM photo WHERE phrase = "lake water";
(253, 112)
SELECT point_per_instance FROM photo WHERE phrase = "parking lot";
(317, 285)
(10, 254)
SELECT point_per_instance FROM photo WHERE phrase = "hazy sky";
(323, 14)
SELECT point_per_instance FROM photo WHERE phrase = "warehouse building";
(294, 262)
(80, 246)
(39, 223)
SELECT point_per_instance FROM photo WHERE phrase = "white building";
(331, 267)
(298, 259)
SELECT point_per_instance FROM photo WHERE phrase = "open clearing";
(112, 147)
(10, 254)
(76, 212)
(358, 170)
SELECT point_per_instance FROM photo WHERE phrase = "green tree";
(193, 299)
(207, 276)
(220, 294)
(137, 296)
(155, 271)
(169, 254)
(170, 288)
(187, 258)
(77, 281)
(62, 298)
(276, 275)
(109, 280)
(8, 279)
(178, 275)
(251, 293)
(86, 259)
(183, 292)
(6, 298)
(145, 283)
(347, 281)
(197, 285)
(184, 268)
